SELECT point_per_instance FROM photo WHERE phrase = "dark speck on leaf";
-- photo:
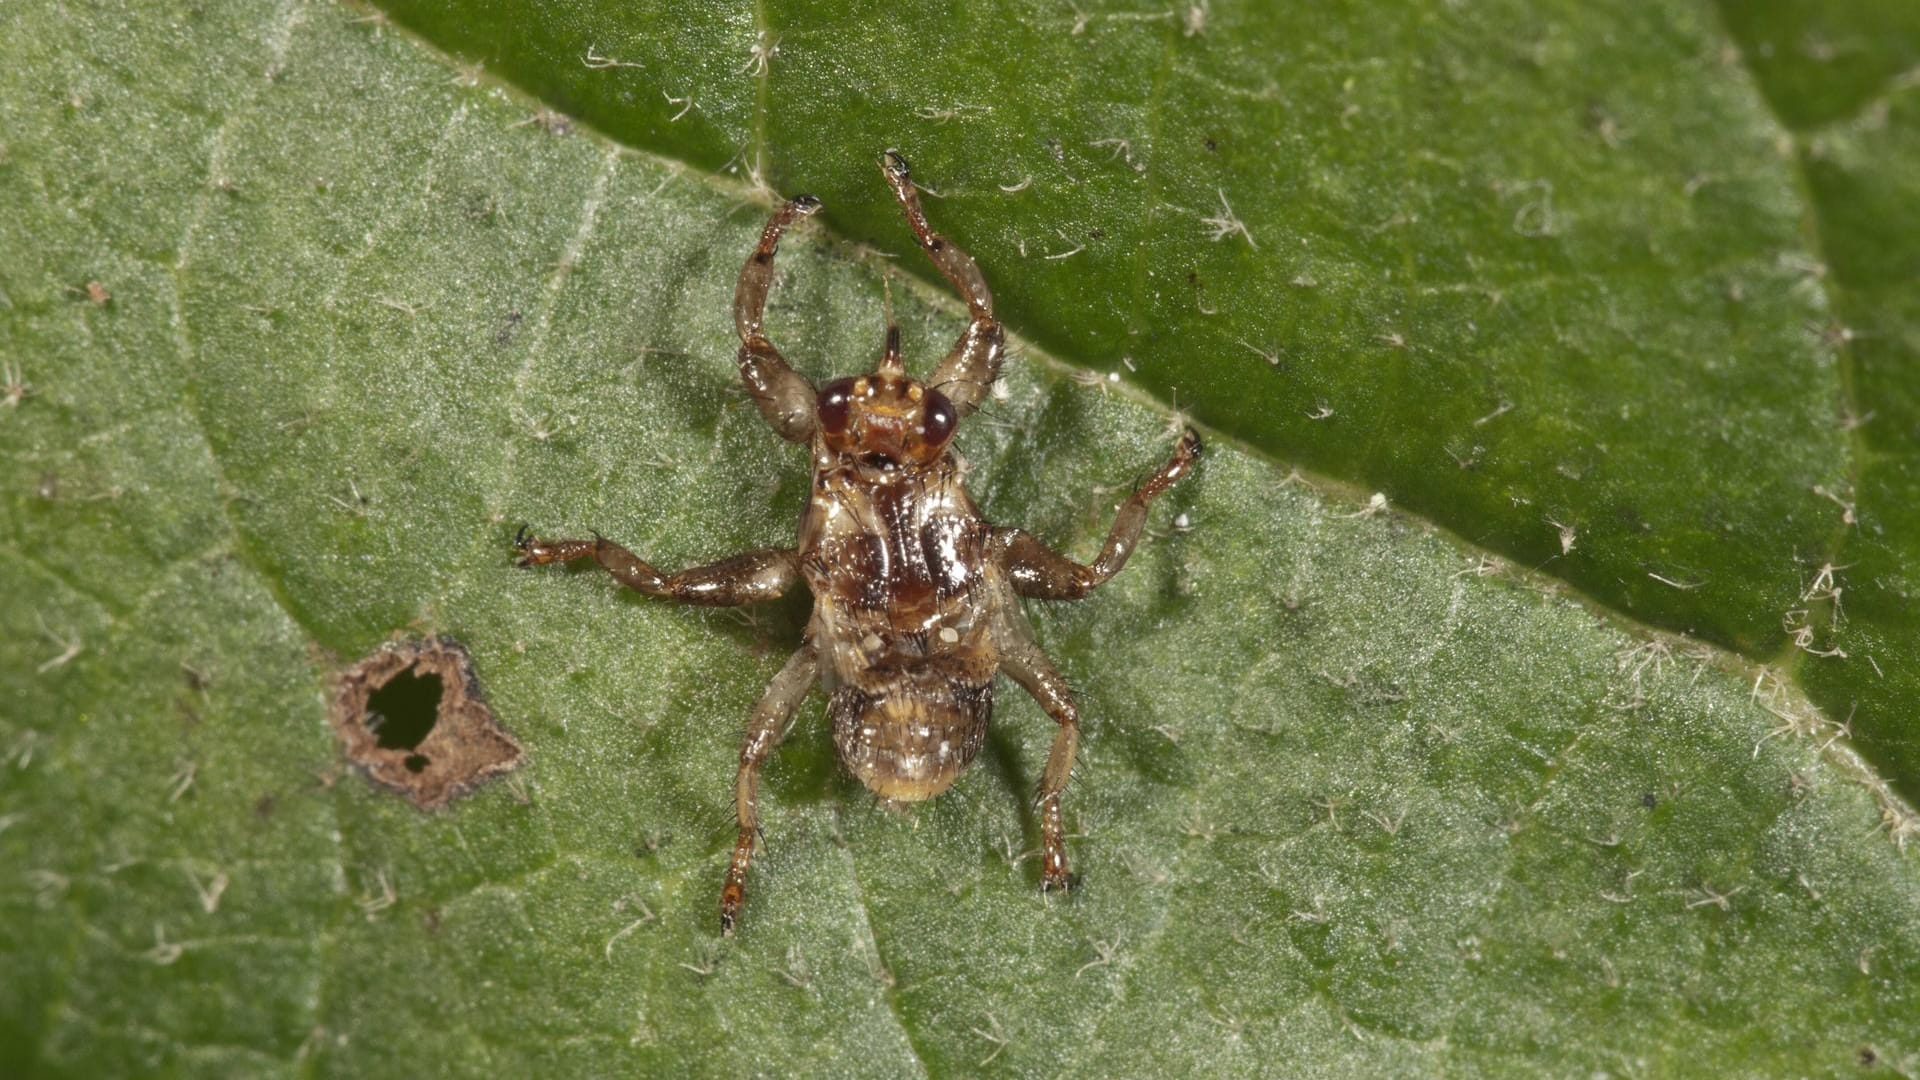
(505, 336)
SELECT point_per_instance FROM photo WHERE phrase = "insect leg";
(968, 371)
(1038, 571)
(747, 578)
(764, 732)
(1023, 662)
(783, 395)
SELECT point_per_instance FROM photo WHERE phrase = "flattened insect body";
(916, 597)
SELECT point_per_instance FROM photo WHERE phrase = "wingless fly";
(916, 598)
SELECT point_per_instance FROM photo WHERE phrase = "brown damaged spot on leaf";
(411, 715)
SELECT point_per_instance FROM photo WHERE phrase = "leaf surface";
(1354, 796)
(1622, 291)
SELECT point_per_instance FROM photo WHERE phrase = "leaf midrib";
(1791, 657)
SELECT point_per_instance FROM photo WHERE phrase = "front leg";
(1038, 571)
(967, 373)
(748, 578)
(785, 398)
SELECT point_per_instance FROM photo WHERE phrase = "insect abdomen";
(912, 740)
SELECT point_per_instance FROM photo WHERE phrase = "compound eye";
(833, 404)
(940, 418)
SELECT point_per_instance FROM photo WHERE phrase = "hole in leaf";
(401, 713)
(411, 715)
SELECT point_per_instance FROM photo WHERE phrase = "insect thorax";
(901, 594)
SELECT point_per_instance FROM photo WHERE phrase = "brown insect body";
(916, 598)
(903, 616)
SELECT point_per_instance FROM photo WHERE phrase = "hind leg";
(768, 726)
(1025, 664)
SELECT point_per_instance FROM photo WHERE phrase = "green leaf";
(1638, 274)
(298, 323)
